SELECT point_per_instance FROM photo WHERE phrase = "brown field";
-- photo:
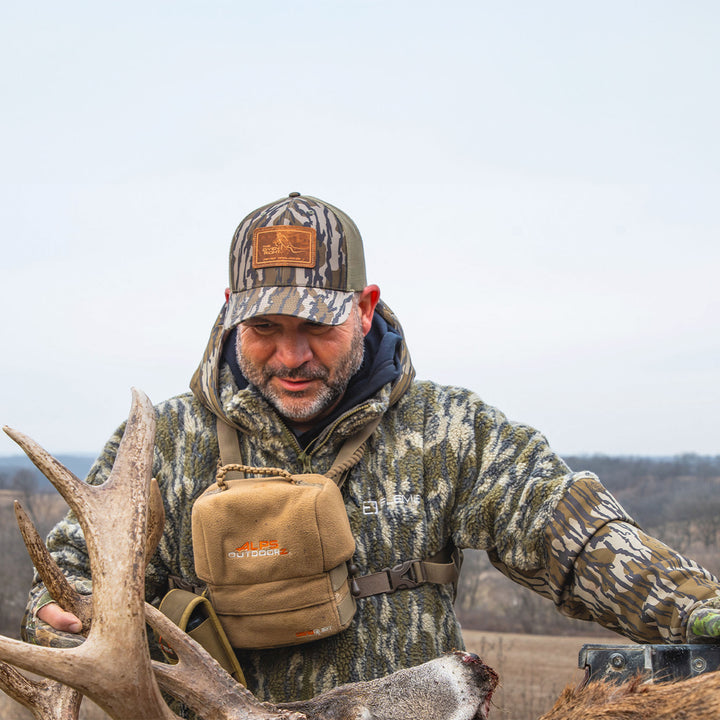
(533, 671)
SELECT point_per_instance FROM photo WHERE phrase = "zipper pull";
(306, 461)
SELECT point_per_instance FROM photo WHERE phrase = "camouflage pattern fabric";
(602, 567)
(40, 633)
(441, 465)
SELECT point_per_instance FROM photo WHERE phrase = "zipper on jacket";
(306, 459)
(305, 456)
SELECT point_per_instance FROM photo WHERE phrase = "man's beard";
(298, 406)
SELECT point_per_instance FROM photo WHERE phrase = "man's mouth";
(294, 384)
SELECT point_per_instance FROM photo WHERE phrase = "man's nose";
(293, 349)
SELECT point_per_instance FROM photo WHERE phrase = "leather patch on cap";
(284, 245)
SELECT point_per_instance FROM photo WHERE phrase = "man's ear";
(227, 295)
(367, 303)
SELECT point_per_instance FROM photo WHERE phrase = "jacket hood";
(206, 382)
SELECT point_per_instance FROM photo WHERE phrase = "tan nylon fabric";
(265, 547)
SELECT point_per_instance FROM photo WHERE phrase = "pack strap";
(404, 576)
(410, 574)
(350, 453)
(229, 445)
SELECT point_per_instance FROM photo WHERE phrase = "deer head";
(122, 521)
(457, 685)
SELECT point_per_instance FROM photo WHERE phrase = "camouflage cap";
(296, 256)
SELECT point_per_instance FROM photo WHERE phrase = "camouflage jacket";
(441, 465)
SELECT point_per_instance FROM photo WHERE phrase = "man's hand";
(705, 623)
(59, 619)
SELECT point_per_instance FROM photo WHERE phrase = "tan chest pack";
(274, 548)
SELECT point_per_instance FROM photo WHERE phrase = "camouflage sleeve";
(602, 567)
(509, 483)
(637, 586)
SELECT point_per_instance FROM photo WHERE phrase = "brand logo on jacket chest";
(389, 503)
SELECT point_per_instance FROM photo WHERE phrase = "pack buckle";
(403, 576)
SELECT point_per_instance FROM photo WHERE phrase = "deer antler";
(61, 590)
(113, 665)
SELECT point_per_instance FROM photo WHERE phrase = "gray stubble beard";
(329, 393)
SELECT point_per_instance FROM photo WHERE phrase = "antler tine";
(55, 581)
(46, 699)
(113, 666)
(218, 696)
(76, 492)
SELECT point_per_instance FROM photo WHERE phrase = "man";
(303, 355)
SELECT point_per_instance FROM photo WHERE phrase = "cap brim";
(328, 307)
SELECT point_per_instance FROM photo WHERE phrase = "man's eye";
(262, 327)
(317, 328)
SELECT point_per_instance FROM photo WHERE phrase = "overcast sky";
(536, 183)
